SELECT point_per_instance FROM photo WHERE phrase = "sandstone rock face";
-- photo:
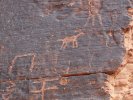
(66, 50)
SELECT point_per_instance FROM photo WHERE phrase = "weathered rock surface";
(72, 88)
(66, 50)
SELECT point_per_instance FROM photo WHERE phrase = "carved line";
(43, 88)
(24, 55)
(9, 90)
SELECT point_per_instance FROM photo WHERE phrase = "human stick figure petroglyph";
(43, 87)
(33, 55)
(71, 39)
(94, 7)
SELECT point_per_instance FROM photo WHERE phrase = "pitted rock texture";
(51, 49)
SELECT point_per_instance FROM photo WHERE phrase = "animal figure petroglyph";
(94, 7)
(71, 39)
(23, 55)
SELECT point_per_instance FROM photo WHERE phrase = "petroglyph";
(43, 87)
(71, 39)
(33, 55)
(64, 81)
(9, 90)
(94, 7)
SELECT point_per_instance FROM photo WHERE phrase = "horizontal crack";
(83, 74)
(64, 75)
